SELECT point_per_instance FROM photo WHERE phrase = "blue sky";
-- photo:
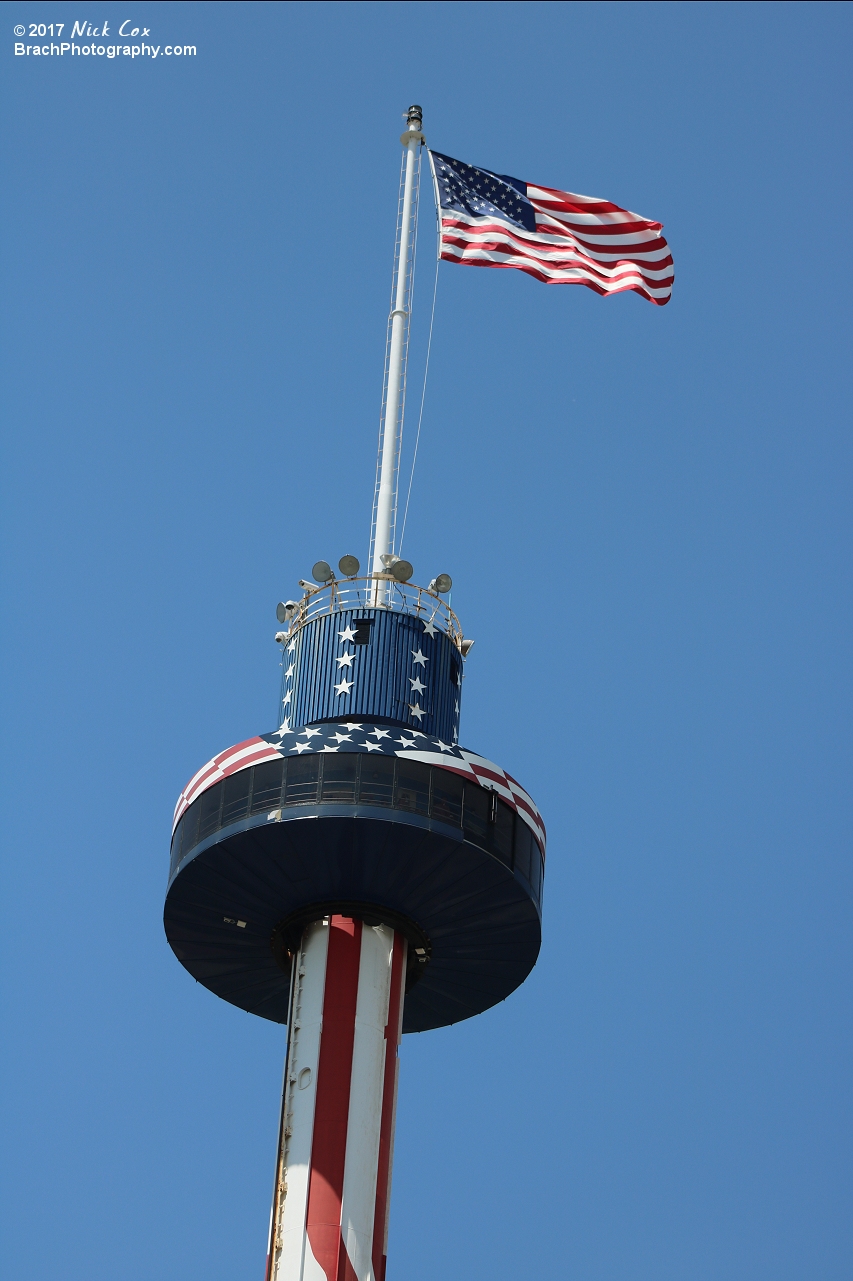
(646, 515)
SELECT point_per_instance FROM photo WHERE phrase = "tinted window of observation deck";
(352, 778)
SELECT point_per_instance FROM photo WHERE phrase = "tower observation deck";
(356, 873)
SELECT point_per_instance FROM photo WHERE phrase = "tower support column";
(333, 1170)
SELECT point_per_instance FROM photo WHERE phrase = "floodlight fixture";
(322, 571)
(402, 570)
(349, 566)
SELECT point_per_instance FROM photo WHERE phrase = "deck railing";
(378, 591)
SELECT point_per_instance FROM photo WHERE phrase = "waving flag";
(491, 220)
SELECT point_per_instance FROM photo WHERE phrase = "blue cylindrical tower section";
(378, 664)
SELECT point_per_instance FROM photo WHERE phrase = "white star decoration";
(344, 687)
(430, 628)
(288, 696)
(333, 736)
(416, 685)
(334, 740)
(416, 710)
(345, 660)
(347, 634)
(419, 658)
(289, 672)
(292, 646)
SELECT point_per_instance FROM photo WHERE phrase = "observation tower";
(396, 888)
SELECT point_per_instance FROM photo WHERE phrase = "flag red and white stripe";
(570, 240)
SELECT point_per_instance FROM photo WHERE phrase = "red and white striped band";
(333, 1174)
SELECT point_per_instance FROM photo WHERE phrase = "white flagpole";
(387, 497)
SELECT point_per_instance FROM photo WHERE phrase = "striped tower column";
(333, 1175)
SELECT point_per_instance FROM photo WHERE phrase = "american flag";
(491, 220)
(364, 737)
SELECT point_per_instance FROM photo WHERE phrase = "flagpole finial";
(414, 126)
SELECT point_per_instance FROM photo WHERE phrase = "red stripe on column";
(331, 1115)
(389, 1101)
(346, 1272)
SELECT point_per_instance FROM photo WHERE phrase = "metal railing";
(377, 591)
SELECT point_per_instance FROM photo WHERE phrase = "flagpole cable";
(421, 412)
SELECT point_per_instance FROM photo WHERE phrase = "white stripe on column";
(303, 1051)
(366, 1088)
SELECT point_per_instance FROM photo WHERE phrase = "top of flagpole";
(414, 123)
